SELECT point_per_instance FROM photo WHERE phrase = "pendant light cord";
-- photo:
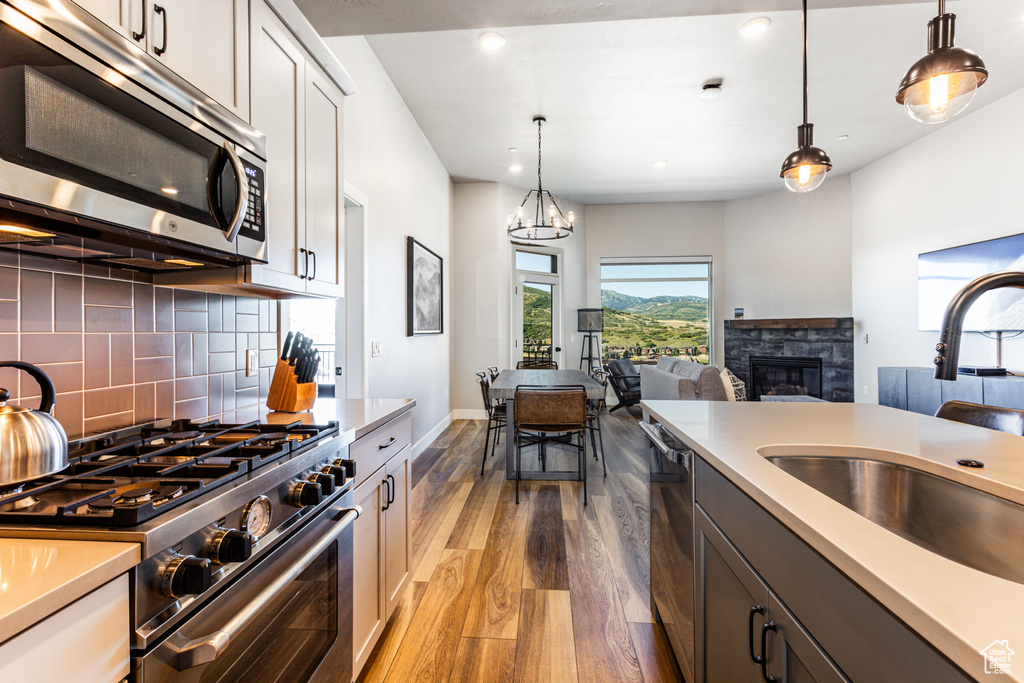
(540, 186)
(805, 58)
(942, 7)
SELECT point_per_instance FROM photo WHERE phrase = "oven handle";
(243, 193)
(206, 649)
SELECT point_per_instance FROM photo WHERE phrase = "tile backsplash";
(122, 351)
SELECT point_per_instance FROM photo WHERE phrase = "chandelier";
(532, 221)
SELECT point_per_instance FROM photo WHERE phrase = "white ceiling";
(619, 95)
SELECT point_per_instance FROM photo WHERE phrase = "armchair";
(625, 382)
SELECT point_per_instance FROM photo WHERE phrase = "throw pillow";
(735, 389)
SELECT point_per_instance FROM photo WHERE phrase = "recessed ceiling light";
(711, 90)
(513, 150)
(660, 163)
(844, 137)
(515, 168)
(491, 40)
(755, 27)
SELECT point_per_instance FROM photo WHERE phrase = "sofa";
(680, 379)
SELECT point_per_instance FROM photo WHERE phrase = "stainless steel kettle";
(32, 442)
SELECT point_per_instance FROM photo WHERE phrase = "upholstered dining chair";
(551, 411)
(496, 418)
(993, 417)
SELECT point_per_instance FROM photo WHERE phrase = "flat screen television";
(941, 274)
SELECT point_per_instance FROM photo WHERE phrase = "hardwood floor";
(547, 590)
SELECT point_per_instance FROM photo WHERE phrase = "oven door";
(289, 618)
(79, 137)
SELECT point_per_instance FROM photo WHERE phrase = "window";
(656, 307)
(535, 262)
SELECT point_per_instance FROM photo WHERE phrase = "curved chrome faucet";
(953, 319)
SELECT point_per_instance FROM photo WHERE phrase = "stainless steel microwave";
(106, 156)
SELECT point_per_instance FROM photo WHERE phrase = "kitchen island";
(958, 610)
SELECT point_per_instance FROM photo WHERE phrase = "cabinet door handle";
(387, 495)
(385, 444)
(157, 9)
(391, 490)
(305, 262)
(313, 254)
(139, 37)
(770, 626)
(756, 609)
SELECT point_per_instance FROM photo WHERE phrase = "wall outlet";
(252, 362)
(375, 349)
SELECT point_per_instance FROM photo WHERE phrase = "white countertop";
(39, 577)
(958, 609)
(355, 417)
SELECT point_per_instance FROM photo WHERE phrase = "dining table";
(504, 388)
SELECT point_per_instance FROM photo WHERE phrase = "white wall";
(958, 185)
(681, 229)
(388, 159)
(482, 284)
(788, 255)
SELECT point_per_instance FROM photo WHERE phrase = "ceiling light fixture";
(805, 169)
(661, 163)
(755, 27)
(542, 225)
(711, 89)
(941, 84)
(515, 168)
(491, 40)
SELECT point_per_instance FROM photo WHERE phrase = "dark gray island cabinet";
(770, 608)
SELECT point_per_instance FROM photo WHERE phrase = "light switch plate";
(375, 349)
(252, 362)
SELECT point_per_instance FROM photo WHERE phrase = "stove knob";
(349, 465)
(326, 481)
(306, 493)
(186, 576)
(337, 472)
(230, 545)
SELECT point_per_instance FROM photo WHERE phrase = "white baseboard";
(469, 414)
(430, 436)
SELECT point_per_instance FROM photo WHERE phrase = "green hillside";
(536, 314)
(620, 302)
(628, 330)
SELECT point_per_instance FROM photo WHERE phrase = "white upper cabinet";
(299, 110)
(206, 42)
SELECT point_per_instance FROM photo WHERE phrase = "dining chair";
(493, 370)
(993, 417)
(496, 418)
(594, 408)
(551, 411)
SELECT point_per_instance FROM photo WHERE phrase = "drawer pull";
(386, 444)
(770, 626)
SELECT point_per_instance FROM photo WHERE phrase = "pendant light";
(941, 84)
(805, 169)
(533, 221)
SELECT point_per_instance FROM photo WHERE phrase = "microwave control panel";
(253, 225)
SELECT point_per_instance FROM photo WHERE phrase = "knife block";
(286, 394)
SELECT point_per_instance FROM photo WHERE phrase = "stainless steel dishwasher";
(671, 477)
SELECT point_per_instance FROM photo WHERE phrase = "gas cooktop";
(131, 476)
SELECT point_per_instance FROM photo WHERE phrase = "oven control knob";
(230, 545)
(305, 494)
(186, 575)
(339, 474)
(326, 481)
(349, 465)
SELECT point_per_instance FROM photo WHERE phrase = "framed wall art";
(425, 285)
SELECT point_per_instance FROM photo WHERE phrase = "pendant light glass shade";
(804, 170)
(538, 217)
(941, 84)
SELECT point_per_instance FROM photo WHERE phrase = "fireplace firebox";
(785, 375)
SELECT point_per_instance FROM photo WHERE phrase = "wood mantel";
(786, 324)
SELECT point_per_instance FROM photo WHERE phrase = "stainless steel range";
(246, 537)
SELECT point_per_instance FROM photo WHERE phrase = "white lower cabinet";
(85, 642)
(383, 543)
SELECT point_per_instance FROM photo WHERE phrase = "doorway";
(537, 306)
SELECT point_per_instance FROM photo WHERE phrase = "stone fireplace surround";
(830, 339)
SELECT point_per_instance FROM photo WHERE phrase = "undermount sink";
(960, 523)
